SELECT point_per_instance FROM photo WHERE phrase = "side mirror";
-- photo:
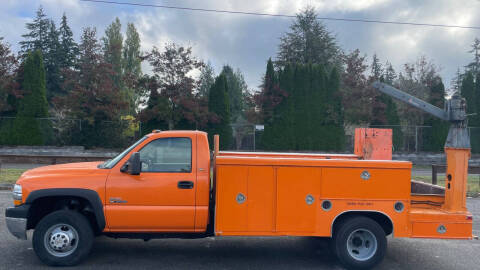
(133, 166)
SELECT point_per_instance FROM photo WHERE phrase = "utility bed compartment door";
(296, 186)
(245, 199)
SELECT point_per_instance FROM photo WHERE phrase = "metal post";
(416, 139)
(254, 129)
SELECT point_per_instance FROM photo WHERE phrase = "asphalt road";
(245, 253)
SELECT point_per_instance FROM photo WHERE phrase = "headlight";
(17, 192)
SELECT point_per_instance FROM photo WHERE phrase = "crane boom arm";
(409, 99)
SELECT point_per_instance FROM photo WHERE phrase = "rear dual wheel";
(359, 243)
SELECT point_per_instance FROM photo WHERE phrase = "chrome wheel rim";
(361, 244)
(61, 240)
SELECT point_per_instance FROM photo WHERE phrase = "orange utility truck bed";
(275, 194)
(304, 196)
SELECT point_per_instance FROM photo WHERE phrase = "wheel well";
(46, 205)
(382, 219)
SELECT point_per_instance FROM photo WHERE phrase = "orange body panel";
(455, 189)
(84, 175)
(384, 183)
(373, 143)
(293, 212)
(131, 218)
(426, 222)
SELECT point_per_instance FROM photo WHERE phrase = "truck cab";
(169, 192)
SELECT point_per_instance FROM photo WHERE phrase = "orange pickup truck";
(169, 184)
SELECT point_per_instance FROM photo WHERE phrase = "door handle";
(185, 184)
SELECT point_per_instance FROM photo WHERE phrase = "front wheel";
(360, 243)
(63, 238)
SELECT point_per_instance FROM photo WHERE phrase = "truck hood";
(80, 168)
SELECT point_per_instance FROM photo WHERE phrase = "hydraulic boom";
(457, 146)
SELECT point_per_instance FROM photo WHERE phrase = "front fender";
(90, 195)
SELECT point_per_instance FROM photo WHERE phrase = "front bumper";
(16, 219)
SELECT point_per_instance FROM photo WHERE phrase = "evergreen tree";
(207, 79)
(218, 104)
(52, 62)
(391, 110)
(243, 88)
(380, 100)
(236, 86)
(376, 68)
(112, 47)
(357, 95)
(456, 81)
(8, 83)
(475, 65)
(270, 97)
(316, 103)
(468, 92)
(308, 41)
(310, 116)
(9, 89)
(271, 94)
(131, 52)
(68, 46)
(334, 118)
(43, 36)
(393, 120)
(301, 96)
(389, 74)
(475, 120)
(132, 69)
(434, 138)
(33, 105)
(281, 133)
(36, 39)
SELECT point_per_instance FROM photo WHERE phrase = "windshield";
(112, 162)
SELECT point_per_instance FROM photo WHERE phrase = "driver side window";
(167, 155)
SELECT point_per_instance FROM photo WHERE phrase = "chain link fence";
(406, 139)
(64, 132)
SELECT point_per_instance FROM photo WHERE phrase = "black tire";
(370, 230)
(82, 228)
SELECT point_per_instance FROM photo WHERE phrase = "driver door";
(162, 197)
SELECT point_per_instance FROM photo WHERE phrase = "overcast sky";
(246, 42)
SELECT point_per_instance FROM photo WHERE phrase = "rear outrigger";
(161, 187)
